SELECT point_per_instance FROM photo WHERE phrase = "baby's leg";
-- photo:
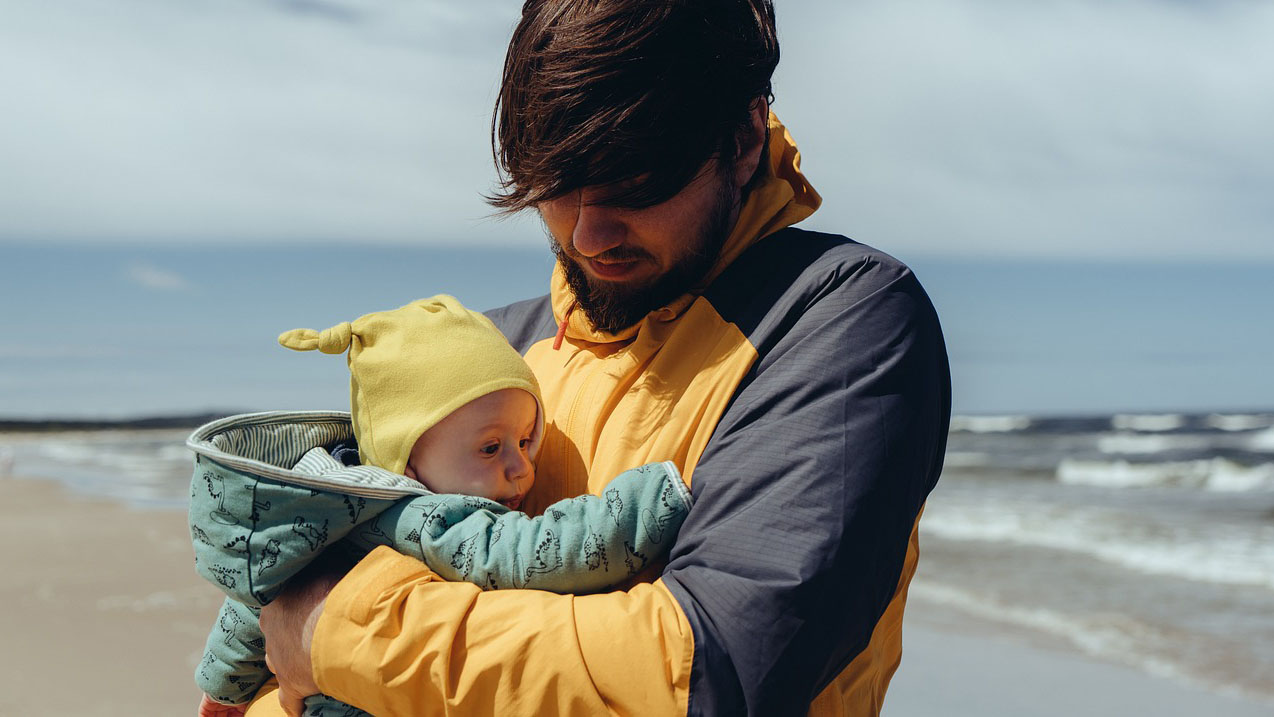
(324, 706)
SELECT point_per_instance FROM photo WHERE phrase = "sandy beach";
(105, 616)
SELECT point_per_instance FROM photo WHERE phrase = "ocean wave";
(1238, 421)
(1147, 443)
(990, 424)
(142, 467)
(136, 461)
(1262, 441)
(966, 459)
(1214, 474)
(1226, 554)
(1148, 422)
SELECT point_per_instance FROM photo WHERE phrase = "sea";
(1140, 539)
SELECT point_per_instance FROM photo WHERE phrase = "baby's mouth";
(514, 503)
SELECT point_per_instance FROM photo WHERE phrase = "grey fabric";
(808, 490)
(269, 444)
(525, 322)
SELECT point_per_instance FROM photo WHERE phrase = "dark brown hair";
(633, 96)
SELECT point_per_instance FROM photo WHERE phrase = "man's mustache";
(617, 254)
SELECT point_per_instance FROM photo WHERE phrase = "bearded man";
(798, 380)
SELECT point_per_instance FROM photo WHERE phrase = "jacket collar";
(783, 197)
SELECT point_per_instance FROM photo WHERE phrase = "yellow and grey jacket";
(804, 394)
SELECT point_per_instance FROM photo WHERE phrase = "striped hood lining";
(271, 443)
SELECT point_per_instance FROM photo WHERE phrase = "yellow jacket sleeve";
(395, 639)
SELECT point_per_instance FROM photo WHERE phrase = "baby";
(447, 420)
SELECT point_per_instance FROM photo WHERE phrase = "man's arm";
(805, 500)
(812, 483)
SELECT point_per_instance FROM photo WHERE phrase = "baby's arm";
(579, 545)
(233, 666)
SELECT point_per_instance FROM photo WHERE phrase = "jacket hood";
(781, 198)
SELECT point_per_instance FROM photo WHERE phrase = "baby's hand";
(210, 708)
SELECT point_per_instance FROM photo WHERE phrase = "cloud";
(1055, 128)
(330, 10)
(1127, 128)
(242, 121)
(153, 277)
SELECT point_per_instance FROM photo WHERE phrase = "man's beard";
(611, 307)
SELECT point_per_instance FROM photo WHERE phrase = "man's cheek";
(559, 221)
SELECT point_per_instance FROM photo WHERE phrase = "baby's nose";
(519, 468)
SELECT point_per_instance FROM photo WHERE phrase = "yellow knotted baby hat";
(413, 366)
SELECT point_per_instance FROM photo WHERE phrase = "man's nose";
(597, 229)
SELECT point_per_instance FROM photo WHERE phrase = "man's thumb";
(291, 702)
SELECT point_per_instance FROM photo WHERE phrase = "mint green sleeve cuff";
(233, 665)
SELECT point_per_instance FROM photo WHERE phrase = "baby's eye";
(524, 444)
(490, 449)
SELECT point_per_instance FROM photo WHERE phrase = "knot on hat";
(330, 341)
(336, 339)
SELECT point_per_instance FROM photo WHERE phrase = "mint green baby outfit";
(267, 498)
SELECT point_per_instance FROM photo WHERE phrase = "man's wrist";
(311, 622)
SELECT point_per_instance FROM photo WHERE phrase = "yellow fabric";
(860, 688)
(412, 366)
(654, 391)
(657, 397)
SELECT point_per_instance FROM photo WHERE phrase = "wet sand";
(956, 666)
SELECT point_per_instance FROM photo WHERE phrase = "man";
(799, 380)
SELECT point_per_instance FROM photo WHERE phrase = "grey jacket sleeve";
(809, 488)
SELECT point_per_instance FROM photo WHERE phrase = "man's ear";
(750, 142)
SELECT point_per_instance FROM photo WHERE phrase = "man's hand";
(288, 626)
(211, 708)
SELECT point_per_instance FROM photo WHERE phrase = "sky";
(1083, 186)
(1043, 128)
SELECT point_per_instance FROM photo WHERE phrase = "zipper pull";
(561, 329)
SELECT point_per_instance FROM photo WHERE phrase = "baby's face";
(480, 449)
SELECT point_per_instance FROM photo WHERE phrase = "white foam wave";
(68, 451)
(1237, 422)
(140, 467)
(1237, 555)
(1215, 474)
(1148, 422)
(1140, 443)
(1262, 441)
(990, 424)
(174, 452)
(966, 459)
